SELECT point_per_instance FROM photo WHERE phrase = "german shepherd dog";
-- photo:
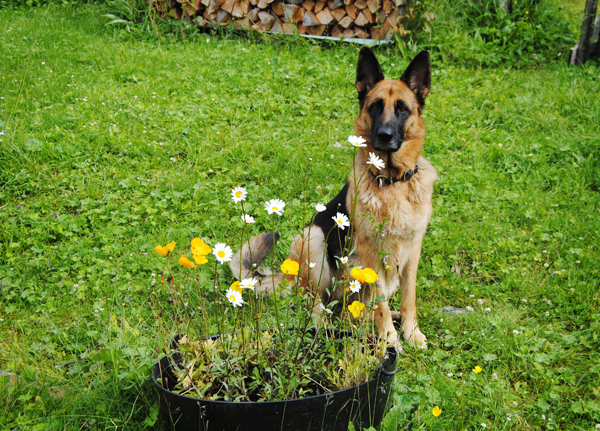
(397, 197)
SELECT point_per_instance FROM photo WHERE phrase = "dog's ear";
(418, 76)
(368, 73)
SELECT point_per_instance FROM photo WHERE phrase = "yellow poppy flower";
(356, 308)
(199, 259)
(200, 248)
(166, 250)
(436, 411)
(357, 273)
(370, 275)
(185, 262)
(236, 286)
(290, 267)
(477, 369)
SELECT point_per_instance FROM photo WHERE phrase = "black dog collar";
(407, 175)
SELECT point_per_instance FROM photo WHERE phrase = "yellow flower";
(236, 286)
(185, 262)
(477, 369)
(370, 275)
(436, 411)
(200, 248)
(166, 250)
(290, 267)
(366, 275)
(199, 259)
(356, 308)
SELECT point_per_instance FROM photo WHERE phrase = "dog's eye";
(402, 108)
(377, 105)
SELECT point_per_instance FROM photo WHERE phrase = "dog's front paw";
(415, 337)
(393, 340)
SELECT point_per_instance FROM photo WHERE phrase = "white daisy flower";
(248, 283)
(234, 297)
(239, 194)
(320, 208)
(222, 252)
(341, 220)
(357, 141)
(247, 218)
(275, 206)
(328, 311)
(311, 265)
(355, 286)
(375, 161)
(469, 308)
(344, 260)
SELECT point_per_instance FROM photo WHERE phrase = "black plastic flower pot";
(365, 405)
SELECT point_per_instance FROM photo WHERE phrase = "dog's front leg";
(408, 308)
(384, 322)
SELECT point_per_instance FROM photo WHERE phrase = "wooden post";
(506, 4)
(595, 43)
(585, 40)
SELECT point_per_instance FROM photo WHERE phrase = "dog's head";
(390, 111)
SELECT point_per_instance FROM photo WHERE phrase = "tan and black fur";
(398, 196)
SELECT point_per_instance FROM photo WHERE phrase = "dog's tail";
(246, 262)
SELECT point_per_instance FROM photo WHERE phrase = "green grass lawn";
(115, 144)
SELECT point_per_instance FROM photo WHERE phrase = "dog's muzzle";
(386, 139)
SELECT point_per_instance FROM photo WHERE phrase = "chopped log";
(287, 28)
(336, 31)
(330, 4)
(298, 2)
(309, 5)
(336, 4)
(205, 2)
(237, 11)
(338, 14)
(361, 20)
(347, 2)
(289, 11)
(276, 28)
(373, 6)
(392, 21)
(253, 15)
(277, 7)
(189, 9)
(310, 19)
(360, 4)
(375, 34)
(317, 30)
(214, 6)
(348, 33)
(223, 16)
(270, 1)
(228, 5)
(175, 13)
(346, 22)
(266, 20)
(351, 11)
(245, 5)
(302, 29)
(198, 5)
(359, 32)
(324, 17)
(369, 16)
(244, 23)
(319, 6)
(299, 16)
(262, 4)
(388, 6)
(253, 2)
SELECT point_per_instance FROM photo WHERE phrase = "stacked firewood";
(376, 19)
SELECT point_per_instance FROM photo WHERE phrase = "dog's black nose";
(385, 134)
